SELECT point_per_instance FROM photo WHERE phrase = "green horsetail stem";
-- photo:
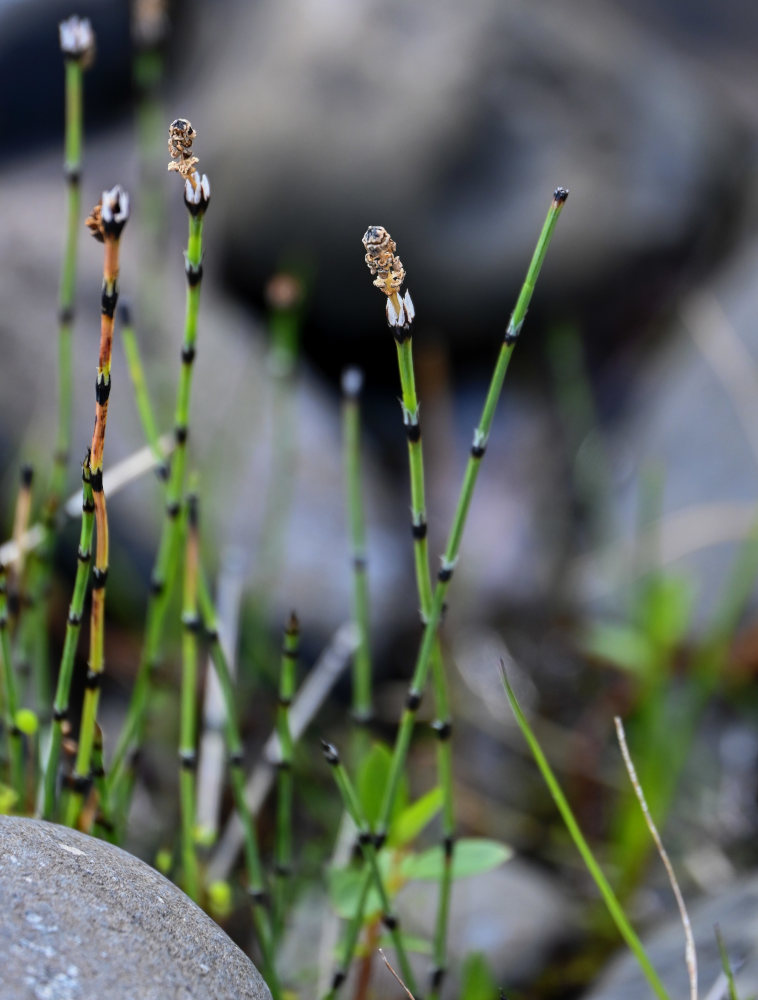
(452, 549)
(256, 886)
(611, 901)
(368, 848)
(10, 694)
(188, 715)
(70, 643)
(284, 783)
(352, 384)
(77, 44)
(137, 375)
(106, 224)
(196, 199)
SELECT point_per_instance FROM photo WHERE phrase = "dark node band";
(188, 355)
(259, 896)
(443, 729)
(236, 759)
(512, 333)
(102, 390)
(14, 603)
(211, 634)
(445, 574)
(194, 274)
(331, 753)
(125, 314)
(419, 530)
(3, 622)
(338, 979)
(79, 783)
(283, 765)
(360, 564)
(283, 871)
(560, 195)
(284, 701)
(104, 822)
(60, 714)
(74, 619)
(27, 474)
(180, 434)
(365, 837)
(401, 333)
(88, 507)
(413, 700)
(390, 921)
(162, 471)
(156, 586)
(193, 510)
(414, 432)
(109, 301)
(187, 760)
(66, 315)
(113, 227)
(14, 731)
(96, 481)
(436, 977)
(191, 621)
(380, 838)
(72, 175)
(83, 555)
(93, 680)
(478, 450)
(99, 577)
(172, 509)
(289, 653)
(448, 846)
(98, 771)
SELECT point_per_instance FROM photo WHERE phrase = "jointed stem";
(73, 628)
(10, 694)
(283, 853)
(188, 717)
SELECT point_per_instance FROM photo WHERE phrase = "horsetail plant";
(10, 693)
(106, 223)
(256, 886)
(77, 42)
(73, 628)
(383, 262)
(368, 849)
(352, 384)
(197, 194)
(452, 549)
(188, 716)
(284, 789)
(137, 375)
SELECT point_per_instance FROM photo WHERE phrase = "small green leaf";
(476, 979)
(472, 856)
(412, 820)
(622, 645)
(373, 775)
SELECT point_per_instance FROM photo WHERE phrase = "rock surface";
(82, 920)
(735, 910)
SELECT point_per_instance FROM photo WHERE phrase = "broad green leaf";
(412, 820)
(373, 774)
(476, 979)
(472, 856)
(412, 943)
(622, 645)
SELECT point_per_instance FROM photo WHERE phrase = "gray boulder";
(82, 920)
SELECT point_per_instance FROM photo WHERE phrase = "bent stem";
(614, 907)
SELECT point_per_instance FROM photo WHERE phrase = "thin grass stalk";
(106, 223)
(139, 385)
(70, 643)
(10, 694)
(284, 782)
(256, 885)
(77, 45)
(352, 384)
(611, 901)
(188, 715)
(354, 809)
(452, 549)
(196, 198)
(726, 965)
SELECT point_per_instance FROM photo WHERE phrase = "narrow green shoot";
(188, 715)
(614, 907)
(352, 384)
(70, 643)
(139, 385)
(354, 809)
(10, 694)
(726, 965)
(284, 790)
